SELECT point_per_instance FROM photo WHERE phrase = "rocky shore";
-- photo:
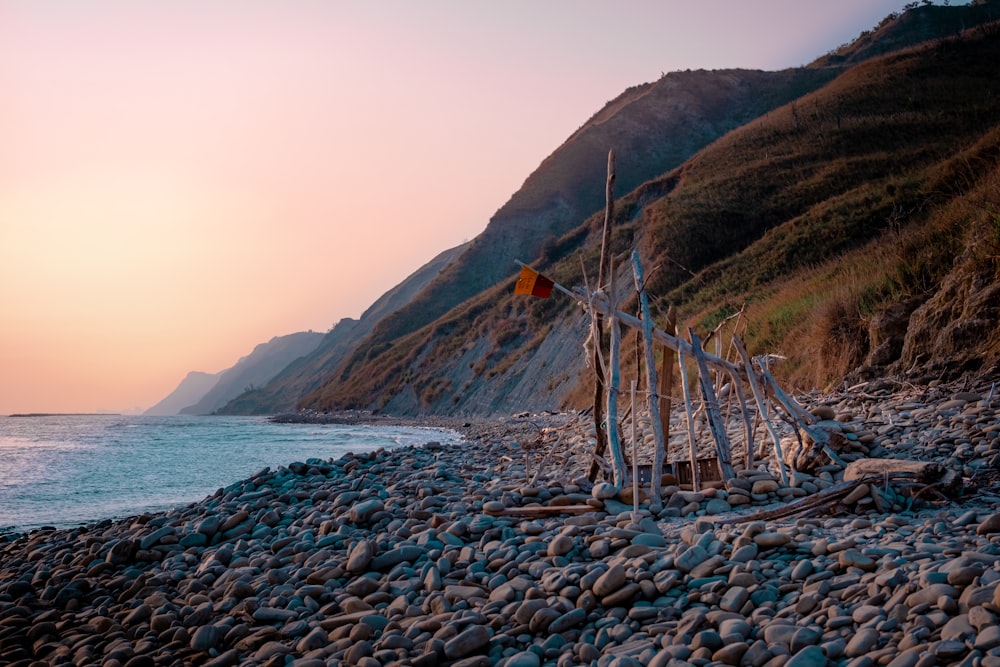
(417, 556)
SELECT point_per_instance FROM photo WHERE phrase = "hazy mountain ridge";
(474, 358)
(283, 390)
(257, 368)
(190, 390)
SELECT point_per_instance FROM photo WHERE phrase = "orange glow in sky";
(180, 181)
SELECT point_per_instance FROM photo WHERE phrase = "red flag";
(533, 283)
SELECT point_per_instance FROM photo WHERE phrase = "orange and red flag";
(533, 283)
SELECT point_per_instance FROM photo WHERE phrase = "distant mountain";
(256, 369)
(283, 391)
(195, 385)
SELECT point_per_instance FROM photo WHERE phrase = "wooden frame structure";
(602, 306)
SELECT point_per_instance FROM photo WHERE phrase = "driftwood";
(655, 485)
(689, 412)
(541, 510)
(667, 380)
(635, 457)
(603, 274)
(620, 474)
(824, 498)
(718, 427)
(747, 426)
(923, 471)
(867, 476)
(943, 480)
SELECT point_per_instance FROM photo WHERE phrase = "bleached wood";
(667, 383)
(692, 444)
(655, 481)
(635, 459)
(762, 408)
(543, 510)
(715, 423)
(603, 274)
(923, 471)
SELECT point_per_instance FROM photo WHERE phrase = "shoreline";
(417, 556)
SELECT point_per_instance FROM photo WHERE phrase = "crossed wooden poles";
(762, 385)
(602, 304)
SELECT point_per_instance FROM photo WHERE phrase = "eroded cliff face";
(538, 381)
(955, 331)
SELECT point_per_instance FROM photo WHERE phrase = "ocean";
(67, 470)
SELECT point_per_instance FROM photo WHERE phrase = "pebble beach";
(434, 555)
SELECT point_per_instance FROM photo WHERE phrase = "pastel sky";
(182, 180)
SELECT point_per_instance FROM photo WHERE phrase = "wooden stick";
(635, 462)
(715, 422)
(802, 417)
(655, 482)
(762, 408)
(747, 426)
(798, 413)
(667, 383)
(542, 510)
(816, 500)
(601, 372)
(611, 422)
(692, 446)
(602, 275)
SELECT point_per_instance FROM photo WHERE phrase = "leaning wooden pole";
(747, 426)
(715, 423)
(617, 453)
(758, 396)
(655, 480)
(602, 275)
(635, 458)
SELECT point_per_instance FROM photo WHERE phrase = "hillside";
(831, 217)
(257, 368)
(659, 124)
(286, 387)
(190, 390)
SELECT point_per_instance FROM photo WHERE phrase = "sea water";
(67, 470)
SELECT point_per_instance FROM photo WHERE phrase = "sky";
(182, 180)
